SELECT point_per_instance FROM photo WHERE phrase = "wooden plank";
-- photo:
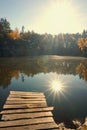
(46, 126)
(26, 122)
(26, 110)
(26, 93)
(23, 102)
(12, 92)
(26, 116)
(24, 106)
(27, 97)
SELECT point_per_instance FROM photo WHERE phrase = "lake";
(62, 79)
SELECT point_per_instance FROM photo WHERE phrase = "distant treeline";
(15, 43)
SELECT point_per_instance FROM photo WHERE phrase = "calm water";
(62, 79)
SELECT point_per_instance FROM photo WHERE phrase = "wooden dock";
(26, 111)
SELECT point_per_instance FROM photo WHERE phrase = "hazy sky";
(51, 16)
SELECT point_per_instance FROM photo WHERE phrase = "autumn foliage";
(82, 43)
(14, 34)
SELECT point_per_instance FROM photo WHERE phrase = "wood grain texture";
(26, 122)
(26, 116)
(52, 126)
(26, 111)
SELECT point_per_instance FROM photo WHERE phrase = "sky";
(46, 16)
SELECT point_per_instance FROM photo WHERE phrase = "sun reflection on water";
(57, 88)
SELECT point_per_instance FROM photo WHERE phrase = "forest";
(15, 43)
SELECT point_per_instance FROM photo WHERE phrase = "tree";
(4, 26)
(23, 29)
(82, 43)
(84, 33)
(14, 34)
(4, 29)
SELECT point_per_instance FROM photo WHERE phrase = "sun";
(59, 17)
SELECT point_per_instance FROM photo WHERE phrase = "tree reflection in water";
(81, 69)
(30, 66)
